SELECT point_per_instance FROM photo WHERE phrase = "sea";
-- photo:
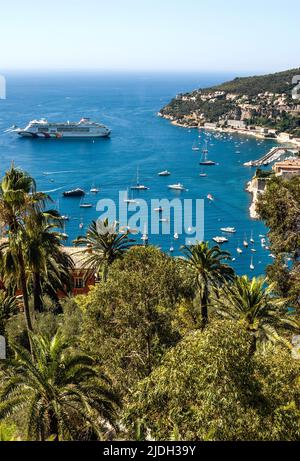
(128, 103)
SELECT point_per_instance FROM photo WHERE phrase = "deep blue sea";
(128, 104)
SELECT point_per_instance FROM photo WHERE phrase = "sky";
(150, 35)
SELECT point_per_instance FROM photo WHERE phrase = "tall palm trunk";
(53, 425)
(37, 293)
(25, 292)
(204, 306)
(105, 271)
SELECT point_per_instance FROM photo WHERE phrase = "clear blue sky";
(200, 35)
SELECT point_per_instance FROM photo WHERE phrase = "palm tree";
(210, 271)
(8, 308)
(18, 197)
(252, 303)
(104, 244)
(43, 252)
(61, 392)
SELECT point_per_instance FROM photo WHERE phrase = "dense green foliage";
(279, 207)
(161, 347)
(262, 111)
(61, 392)
(280, 82)
(210, 387)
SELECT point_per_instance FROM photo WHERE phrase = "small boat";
(138, 186)
(145, 236)
(81, 225)
(159, 209)
(176, 236)
(210, 197)
(253, 250)
(178, 186)
(252, 265)
(85, 205)
(203, 175)
(130, 200)
(237, 151)
(164, 173)
(272, 256)
(239, 250)
(94, 190)
(204, 161)
(220, 240)
(229, 230)
(171, 249)
(74, 193)
(195, 147)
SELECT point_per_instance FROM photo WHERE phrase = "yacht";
(229, 230)
(138, 186)
(164, 173)
(220, 240)
(43, 129)
(177, 187)
(74, 193)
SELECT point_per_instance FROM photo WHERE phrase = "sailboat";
(62, 217)
(129, 200)
(138, 186)
(64, 235)
(239, 250)
(94, 189)
(85, 204)
(245, 242)
(195, 147)
(81, 224)
(252, 265)
(145, 236)
(202, 174)
(252, 239)
(204, 161)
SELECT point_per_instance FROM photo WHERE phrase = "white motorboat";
(178, 186)
(164, 173)
(220, 240)
(229, 230)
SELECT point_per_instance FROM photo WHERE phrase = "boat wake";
(48, 173)
(52, 190)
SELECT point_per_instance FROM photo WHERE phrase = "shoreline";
(279, 138)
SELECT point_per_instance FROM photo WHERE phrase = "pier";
(274, 154)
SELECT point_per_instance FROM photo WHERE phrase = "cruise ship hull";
(28, 134)
(84, 129)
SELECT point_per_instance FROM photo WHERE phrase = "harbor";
(140, 143)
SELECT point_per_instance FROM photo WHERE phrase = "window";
(79, 282)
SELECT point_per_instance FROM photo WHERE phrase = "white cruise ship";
(85, 128)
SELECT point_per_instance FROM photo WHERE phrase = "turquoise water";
(128, 104)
